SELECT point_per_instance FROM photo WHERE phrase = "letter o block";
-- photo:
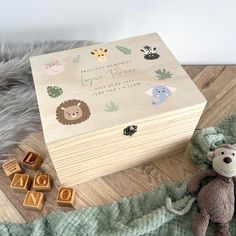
(66, 197)
(42, 182)
(32, 161)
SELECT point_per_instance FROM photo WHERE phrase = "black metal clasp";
(130, 130)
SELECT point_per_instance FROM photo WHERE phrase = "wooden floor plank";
(178, 167)
(136, 180)
(193, 71)
(217, 83)
(8, 212)
(95, 193)
(220, 95)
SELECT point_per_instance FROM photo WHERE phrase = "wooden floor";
(217, 83)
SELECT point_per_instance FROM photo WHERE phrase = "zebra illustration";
(149, 53)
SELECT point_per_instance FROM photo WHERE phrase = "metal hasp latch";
(130, 130)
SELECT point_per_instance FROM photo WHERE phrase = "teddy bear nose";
(227, 160)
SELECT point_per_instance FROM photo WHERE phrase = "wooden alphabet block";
(42, 182)
(11, 167)
(34, 200)
(32, 161)
(66, 196)
(20, 182)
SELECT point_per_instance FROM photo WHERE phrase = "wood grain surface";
(127, 82)
(217, 83)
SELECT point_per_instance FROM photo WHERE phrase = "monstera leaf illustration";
(54, 91)
(124, 50)
(163, 74)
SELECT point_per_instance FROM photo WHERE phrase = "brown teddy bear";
(216, 199)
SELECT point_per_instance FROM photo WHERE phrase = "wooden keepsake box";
(110, 106)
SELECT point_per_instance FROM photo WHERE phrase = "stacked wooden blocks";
(42, 182)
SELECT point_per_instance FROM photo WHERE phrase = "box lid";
(104, 85)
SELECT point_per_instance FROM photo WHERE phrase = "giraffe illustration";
(100, 54)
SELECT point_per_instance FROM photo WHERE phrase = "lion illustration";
(72, 112)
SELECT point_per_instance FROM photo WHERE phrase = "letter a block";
(66, 196)
(11, 167)
(42, 182)
(34, 200)
(20, 182)
(32, 161)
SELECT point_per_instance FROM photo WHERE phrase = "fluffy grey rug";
(19, 115)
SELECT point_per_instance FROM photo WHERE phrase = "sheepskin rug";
(19, 114)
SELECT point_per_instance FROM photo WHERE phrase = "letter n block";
(32, 161)
(66, 196)
(34, 200)
(20, 182)
(42, 182)
(11, 167)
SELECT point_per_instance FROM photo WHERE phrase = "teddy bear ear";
(210, 155)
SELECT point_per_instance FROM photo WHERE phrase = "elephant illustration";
(160, 93)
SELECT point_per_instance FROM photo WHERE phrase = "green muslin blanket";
(144, 214)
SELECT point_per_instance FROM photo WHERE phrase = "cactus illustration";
(54, 91)
(111, 107)
(163, 74)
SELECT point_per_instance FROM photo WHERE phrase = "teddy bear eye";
(222, 153)
(68, 113)
(233, 154)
